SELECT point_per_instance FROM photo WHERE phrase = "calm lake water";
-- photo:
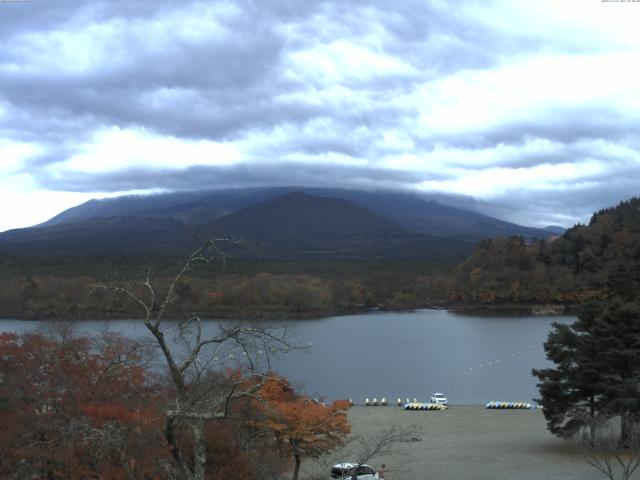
(471, 359)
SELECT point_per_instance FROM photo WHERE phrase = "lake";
(470, 358)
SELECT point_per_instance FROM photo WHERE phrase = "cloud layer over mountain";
(530, 109)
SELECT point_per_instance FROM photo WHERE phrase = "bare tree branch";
(605, 452)
(201, 394)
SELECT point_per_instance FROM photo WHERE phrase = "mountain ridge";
(292, 226)
(410, 211)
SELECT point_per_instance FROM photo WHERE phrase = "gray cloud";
(232, 83)
(565, 126)
(243, 175)
(565, 208)
(160, 68)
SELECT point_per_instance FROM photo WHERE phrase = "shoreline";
(230, 314)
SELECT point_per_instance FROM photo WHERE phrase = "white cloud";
(458, 159)
(13, 155)
(114, 149)
(495, 182)
(478, 100)
(590, 25)
(25, 205)
(86, 42)
(343, 61)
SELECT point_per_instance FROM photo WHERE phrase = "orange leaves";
(73, 408)
(109, 412)
(73, 405)
(340, 405)
(299, 424)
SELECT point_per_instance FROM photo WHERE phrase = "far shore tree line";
(256, 295)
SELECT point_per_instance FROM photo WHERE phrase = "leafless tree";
(189, 352)
(363, 449)
(607, 454)
(383, 443)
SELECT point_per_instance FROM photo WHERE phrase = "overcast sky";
(530, 110)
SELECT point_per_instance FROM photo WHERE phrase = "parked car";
(438, 398)
(346, 471)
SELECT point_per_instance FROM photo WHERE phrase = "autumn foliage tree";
(301, 426)
(571, 269)
(71, 407)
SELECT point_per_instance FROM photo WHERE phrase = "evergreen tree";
(597, 369)
(571, 393)
(616, 333)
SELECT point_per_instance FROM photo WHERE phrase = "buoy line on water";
(494, 362)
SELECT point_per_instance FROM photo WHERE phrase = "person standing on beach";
(381, 471)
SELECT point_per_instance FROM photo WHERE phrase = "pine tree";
(616, 333)
(597, 370)
(571, 394)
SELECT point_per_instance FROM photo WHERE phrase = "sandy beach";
(471, 442)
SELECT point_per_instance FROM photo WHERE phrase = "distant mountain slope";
(410, 211)
(107, 234)
(129, 205)
(555, 229)
(422, 215)
(575, 267)
(292, 226)
(298, 215)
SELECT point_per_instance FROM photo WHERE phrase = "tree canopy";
(302, 427)
(597, 363)
(581, 265)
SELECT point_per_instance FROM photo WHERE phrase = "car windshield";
(341, 472)
(365, 470)
(337, 472)
(345, 472)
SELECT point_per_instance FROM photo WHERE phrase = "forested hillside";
(568, 269)
(581, 264)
